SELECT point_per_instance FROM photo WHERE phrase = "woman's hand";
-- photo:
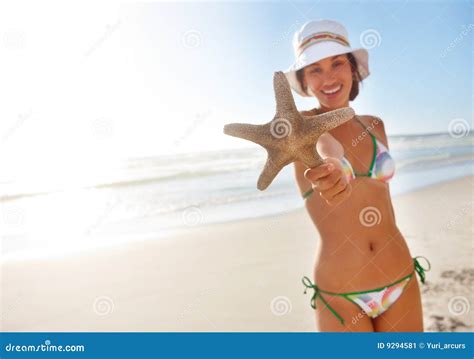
(330, 181)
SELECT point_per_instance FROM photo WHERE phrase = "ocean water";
(144, 198)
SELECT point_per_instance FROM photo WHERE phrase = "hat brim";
(321, 51)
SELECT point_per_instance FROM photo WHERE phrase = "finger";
(326, 183)
(341, 196)
(312, 174)
(338, 187)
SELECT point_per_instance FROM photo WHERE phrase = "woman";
(364, 276)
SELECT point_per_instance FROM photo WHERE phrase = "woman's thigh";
(405, 315)
(355, 319)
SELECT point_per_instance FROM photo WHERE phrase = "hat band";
(320, 37)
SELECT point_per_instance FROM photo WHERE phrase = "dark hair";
(356, 77)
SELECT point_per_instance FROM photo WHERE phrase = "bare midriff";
(360, 246)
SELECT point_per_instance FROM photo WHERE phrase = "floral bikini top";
(382, 167)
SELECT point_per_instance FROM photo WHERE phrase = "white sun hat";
(318, 39)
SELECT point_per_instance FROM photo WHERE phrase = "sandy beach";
(240, 276)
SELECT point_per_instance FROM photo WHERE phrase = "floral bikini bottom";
(375, 301)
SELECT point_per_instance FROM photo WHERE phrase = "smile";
(333, 91)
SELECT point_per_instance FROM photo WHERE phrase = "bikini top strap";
(308, 193)
(367, 128)
(374, 155)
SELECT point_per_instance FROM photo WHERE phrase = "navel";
(371, 246)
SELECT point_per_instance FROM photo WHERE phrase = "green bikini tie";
(420, 270)
(308, 284)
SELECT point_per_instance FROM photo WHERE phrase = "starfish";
(290, 136)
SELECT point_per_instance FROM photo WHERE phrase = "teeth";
(332, 91)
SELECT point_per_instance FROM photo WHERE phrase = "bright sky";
(97, 80)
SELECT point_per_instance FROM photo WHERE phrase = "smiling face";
(330, 80)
